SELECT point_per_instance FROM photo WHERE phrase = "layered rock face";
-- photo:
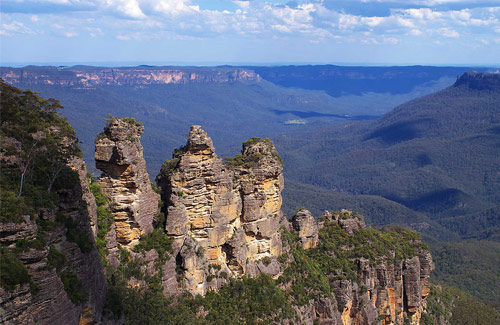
(87, 77)
(50, 303)
(387, 293)
(224, 218)
(125, 182)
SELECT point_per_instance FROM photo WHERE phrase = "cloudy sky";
(440, 32)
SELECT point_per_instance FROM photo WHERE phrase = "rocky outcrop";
(11, 232)
(47, 301)
(388, 292)
(125, 182)
(224, 218)
(305, 224)
(346, 219)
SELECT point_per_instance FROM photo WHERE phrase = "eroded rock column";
(126, 184)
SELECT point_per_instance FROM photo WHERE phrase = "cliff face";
(66, 233)
(125, 182)
(387, 290)
(87, 77)
(223, 218)
(479, 81)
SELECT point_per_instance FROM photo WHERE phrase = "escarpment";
(89, 77)
(125, 182)
(223, 216)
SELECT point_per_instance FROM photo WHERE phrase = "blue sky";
(370, 32)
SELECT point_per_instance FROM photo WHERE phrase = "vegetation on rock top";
(253, 159)
(36, 146)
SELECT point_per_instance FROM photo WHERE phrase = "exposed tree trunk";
(53, 178)
(25, 169)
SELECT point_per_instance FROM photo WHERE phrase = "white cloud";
(128, 8)
(420, 13)
(431, 3)
(448, 32)
(171, 8)
(123, 37)
(94, 31)
(243, 4)
(15, 27)
(313, 20)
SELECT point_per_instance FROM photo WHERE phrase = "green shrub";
(56, 259)
(40, 142)
(104, 220)
(131, 121)
(240, 302)
(13, 207)
(81, 237)
(73, 287)
(12, 270)
(23, 245)
(266, 260)
(157, 240)
(168, 166)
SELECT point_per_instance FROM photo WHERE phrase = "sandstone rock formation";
(306, 225)
(346, 219)
(224, 218)
(388, 292)
(126, 184)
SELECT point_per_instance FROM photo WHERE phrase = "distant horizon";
(131, 64)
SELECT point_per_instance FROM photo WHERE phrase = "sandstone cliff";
(372, 278)
(125, 182)
(71, 290)
(224, 218)
(304, 223)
